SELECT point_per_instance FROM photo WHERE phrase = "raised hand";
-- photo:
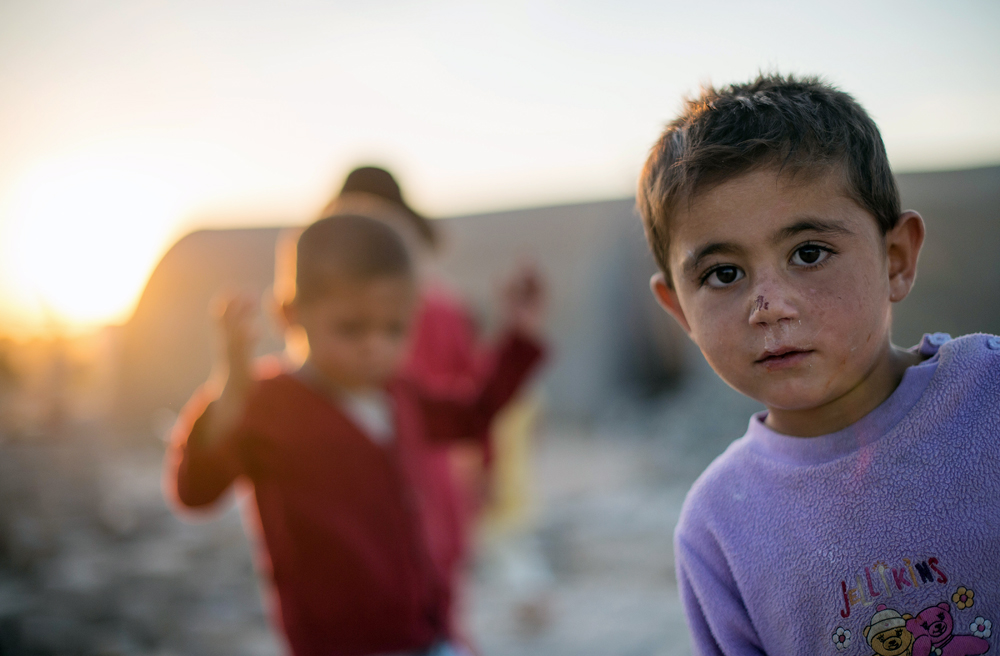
(236, 317)
(525, 301)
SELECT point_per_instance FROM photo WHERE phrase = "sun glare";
(82, 237)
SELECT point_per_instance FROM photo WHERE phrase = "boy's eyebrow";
(695, 259)
(810, 225)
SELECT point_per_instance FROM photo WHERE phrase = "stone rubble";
(92, 561)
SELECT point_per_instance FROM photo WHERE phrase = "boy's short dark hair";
(798, 125)
(346, 246)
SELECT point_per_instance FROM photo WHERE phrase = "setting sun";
(82, 236)
(127, 126)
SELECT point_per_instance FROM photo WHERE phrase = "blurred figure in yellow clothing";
(510, 555)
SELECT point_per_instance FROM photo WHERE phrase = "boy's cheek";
(394, 362)
(856, 312)
(719, 325)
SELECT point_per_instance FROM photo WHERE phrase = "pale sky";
(124, 124)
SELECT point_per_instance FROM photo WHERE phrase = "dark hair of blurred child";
(349, 481)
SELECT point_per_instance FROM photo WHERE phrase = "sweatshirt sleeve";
(716, 614)
(198, 474)
(452, 412)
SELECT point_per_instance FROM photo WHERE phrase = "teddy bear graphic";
(932, 634)
(887, 633)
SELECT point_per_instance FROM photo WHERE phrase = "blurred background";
(152, 152)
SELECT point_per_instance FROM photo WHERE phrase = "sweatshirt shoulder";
(275, 383)
(971, 360)
(276, 396)
(711, 494)
(976, 346)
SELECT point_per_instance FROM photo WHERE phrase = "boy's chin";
(365, 384)
(355, 383)
(790, 398)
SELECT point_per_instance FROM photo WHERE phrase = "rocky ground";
(609, 514)
(93, 562)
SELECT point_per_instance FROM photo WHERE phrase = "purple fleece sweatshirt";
(881, 538)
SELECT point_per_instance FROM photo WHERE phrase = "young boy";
(352, 496)
(859, 512)
(444, 351)
(490, 471)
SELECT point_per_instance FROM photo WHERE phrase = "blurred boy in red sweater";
(352, 492)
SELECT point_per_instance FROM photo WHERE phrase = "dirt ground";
(608, 509)
(92, 561)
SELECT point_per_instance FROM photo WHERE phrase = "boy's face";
(785, 285)
(358, 331)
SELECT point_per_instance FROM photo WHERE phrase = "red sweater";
(360, 538)
(445, 357)
(444, 352)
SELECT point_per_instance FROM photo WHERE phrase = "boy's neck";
(313, 377)
(840, 413)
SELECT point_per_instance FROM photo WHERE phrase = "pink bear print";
(932, 634)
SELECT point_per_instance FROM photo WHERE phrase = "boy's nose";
(770, 305)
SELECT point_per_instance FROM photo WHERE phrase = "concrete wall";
(609, 337)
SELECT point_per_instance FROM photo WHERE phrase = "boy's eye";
(809, 255)
(723, 276)
(349, 328)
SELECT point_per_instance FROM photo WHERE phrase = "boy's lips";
(780, 358)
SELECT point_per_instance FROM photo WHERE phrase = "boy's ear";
(296, 339)
(288, 313)
(667, 298)
(272, 306)
(902, 247)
